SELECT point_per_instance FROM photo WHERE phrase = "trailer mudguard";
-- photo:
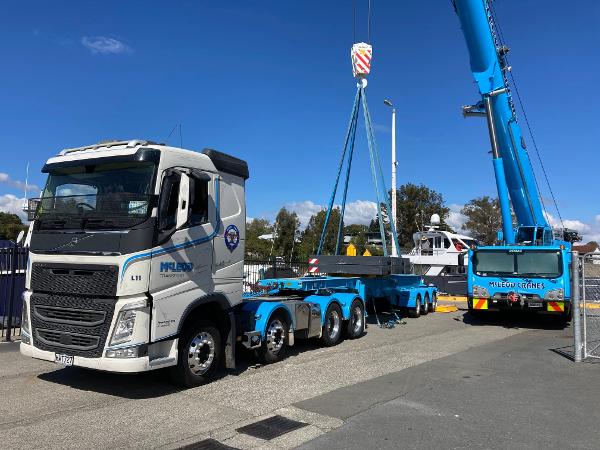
(343, 299)
(262, 312)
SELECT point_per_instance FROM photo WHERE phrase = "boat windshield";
(107, 196)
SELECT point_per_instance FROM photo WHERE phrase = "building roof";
(586, 248)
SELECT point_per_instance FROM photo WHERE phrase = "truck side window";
(198, 200)
(167, 211)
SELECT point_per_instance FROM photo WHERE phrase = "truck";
(530, 268)
(136, 263)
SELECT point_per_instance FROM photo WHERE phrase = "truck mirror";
(461, 262)
(183, 202)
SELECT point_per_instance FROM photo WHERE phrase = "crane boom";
(512, 166)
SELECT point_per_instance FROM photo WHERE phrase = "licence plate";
(535, 304)
(63, 360)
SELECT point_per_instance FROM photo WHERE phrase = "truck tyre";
(433, 304)
(199, 355)
(415, 312)
(274, 346)
(332, 328)
(425, 308)
(356, 324)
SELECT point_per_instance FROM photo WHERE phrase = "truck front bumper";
(539, 306)
(123, 365)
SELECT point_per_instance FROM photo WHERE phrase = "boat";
(435, 256)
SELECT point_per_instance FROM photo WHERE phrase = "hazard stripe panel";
(480, 303)
(555, 306)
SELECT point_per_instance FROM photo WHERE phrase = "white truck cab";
(132, 241)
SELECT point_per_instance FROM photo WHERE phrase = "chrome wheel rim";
(275, 336)
(357, 318)
(201, 353)
(333, 323)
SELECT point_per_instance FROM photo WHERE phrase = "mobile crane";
(530, 269)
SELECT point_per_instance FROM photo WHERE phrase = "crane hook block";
(361, 55)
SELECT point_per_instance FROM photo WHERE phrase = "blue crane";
(530, 270)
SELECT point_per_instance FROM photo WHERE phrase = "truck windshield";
(517, 263)
(107, 196)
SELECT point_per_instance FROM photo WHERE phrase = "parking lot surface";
(414, 385)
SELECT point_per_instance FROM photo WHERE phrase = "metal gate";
(590, 304)
(13, 262)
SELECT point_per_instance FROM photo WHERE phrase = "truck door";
(181, 266)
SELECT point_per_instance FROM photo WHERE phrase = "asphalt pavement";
(440, 381)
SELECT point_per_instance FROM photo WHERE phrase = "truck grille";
(67, 340)
(90, 280)
(72, 325)
(71, 316)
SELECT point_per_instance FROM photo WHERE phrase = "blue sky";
(271, 82)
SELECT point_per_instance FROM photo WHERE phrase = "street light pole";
(394, 165)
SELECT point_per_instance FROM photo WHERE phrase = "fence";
(254, 271)
(590, 302)
(13, 262)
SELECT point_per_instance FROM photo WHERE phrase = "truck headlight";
(479, 291)
(125, 324)
(555, 294)
(124, 327)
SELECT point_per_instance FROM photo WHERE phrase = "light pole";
(394, 164)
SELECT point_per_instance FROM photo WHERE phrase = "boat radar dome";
(435, 219)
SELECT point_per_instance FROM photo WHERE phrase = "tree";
(258, 248)
(483, 219)
(286, 227)
(312, 234)
(355, 229)
(415, 205)
(10, 226)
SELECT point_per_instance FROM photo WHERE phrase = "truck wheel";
(425, 308)
(274, 346)
(433, 304)
(416, 311)
(332, 328)
(199, 355)
(356, 324)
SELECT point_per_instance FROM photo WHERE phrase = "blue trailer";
(325, 307)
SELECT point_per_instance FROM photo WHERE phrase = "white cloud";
(11, 204)
(105, 46)
(359, 211)
(6, 179)
(304, 210)
(455, 219)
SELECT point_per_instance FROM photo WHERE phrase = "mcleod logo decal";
(520, 285)
(166, 267)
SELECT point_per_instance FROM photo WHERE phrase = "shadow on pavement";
(514, 319)
(132, 386)
(156, 383)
